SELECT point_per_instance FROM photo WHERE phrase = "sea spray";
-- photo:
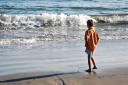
(42, 20)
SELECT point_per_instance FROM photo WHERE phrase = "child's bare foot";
(89, 70)
(94, 67)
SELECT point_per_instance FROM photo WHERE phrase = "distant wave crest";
(113, 19)
(46, 19)
(42, 20)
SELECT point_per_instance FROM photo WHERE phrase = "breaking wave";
(50, 20)
(30, 28)
(42, 20)
(113, 18)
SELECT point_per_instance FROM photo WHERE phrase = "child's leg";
(89, 64)
(93, 61)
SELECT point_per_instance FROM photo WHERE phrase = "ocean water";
(64, 6)
(33, 31)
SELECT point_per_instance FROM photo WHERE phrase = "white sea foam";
(115, 18)
(113, 37)
(47, 19)
(44, 19)
(56, 39)
(56, 27)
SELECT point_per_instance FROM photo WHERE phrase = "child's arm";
(98, 38)
(85, 39)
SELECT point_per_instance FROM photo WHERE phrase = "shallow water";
(61, 57)
(53, 57)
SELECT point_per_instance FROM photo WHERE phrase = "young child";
(91, 40)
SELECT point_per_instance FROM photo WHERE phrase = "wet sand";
(111, 58)
(111, 77)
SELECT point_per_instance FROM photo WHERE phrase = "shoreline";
(108, 77)
(111, 59)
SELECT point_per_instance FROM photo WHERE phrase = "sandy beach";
(111, 58)
(109, 77)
